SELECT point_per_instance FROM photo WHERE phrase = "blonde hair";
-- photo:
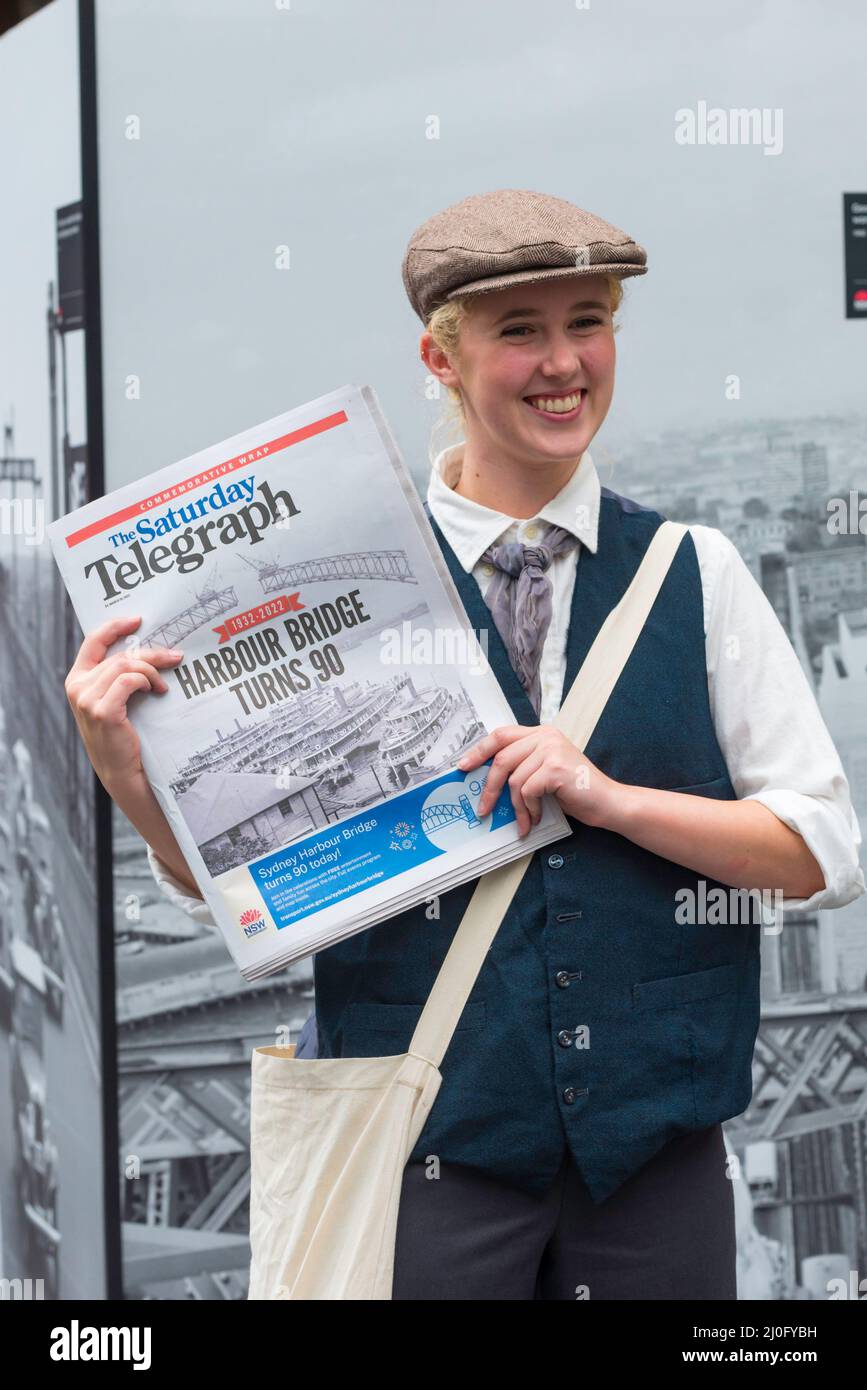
(444, 326)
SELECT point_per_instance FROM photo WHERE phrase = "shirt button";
(487, 569)
(555, 861)
(564, 1037)
(531, 532)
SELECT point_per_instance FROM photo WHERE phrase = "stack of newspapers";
(305, 753)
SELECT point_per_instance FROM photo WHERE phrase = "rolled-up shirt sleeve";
(770, 729)
(176, 893)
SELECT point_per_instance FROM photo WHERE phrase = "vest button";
(571, 1093)
(564, 1037)
(563, 978)
(555, 861)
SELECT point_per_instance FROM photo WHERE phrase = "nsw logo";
(252, 922)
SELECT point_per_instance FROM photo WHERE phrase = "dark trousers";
(667, 1233)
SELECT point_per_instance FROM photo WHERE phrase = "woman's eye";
(523, 327)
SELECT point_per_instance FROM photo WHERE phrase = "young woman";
(575, 1148)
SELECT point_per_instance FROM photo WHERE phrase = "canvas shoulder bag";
(330, 1136)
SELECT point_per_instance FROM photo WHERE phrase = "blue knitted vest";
(669, 1010)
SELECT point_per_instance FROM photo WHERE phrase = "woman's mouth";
(561, 407)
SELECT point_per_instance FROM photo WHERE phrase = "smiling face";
(526, 354)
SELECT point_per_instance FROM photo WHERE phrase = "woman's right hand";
(98, 688)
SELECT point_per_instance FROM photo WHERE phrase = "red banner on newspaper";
(240, 622)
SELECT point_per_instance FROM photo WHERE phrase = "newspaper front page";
(305, 753)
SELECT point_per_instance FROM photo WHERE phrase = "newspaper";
(305, 753)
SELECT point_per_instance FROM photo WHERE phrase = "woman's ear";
(437, 361)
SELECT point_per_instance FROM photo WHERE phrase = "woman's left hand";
(537, 759)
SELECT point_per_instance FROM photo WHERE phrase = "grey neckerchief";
(519, 599)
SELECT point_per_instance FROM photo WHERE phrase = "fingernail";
(173, 651)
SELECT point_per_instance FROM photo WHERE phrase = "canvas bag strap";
(578, 716)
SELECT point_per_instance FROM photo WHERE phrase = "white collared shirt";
(757, 702)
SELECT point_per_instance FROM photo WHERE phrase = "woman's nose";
(562, 360)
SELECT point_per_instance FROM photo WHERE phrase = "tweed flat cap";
(510, 237)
